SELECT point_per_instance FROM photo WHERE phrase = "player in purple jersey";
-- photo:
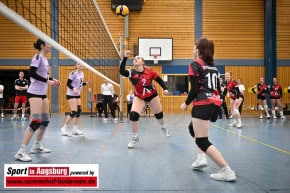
(39, 104)
(74, 84)
(204, 93)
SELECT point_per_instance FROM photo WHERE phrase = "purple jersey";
(38, 87)
(77, 79)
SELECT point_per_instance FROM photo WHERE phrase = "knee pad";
(134, 116)
(45, 120)
(35, 122)
(73, 114)
(236, 112)
(159, 115)
(191, 130)
(260, 107)
(203, 143)
(79, 111)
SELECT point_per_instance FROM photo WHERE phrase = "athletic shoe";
(261, 117)
(165, 131)
(231, 117)
(64, 131)
(39, 149)
(132, 142)
(283, 117)
(23, 118)
(224, 175)
(13, 118)
(22, 156)
(239, 125)
(77, 132)
(115, 119)
(268, 116)
(199, 163)
(233, 124)
(2, 115)
(105, 119)
(274, 117)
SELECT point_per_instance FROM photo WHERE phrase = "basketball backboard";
(156, 48)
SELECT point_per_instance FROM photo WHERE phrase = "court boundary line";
(252, 139)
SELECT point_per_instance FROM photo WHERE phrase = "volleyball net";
(75, 28)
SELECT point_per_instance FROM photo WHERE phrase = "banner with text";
(51, 175)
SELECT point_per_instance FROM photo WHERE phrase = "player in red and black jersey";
(235, 100)
(275, 97)
(142, 77)
(262, 89)
(203, 77)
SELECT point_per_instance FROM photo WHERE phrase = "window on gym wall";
(177, 84)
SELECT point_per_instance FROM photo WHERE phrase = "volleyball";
(122, 10)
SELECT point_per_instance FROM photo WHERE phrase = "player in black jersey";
(204, 94)
(223, 97)
(21, 85)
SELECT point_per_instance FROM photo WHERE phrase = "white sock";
(37, 142)
(75, 127)
(281, 113)
(22, 115)
(134, 135)
(273, 113)
(239, 121)
(227, 168)
(23, 147)
(201, 155)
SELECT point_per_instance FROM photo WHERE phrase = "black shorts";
(148, 99)
(29, 95)
(271, 97)
(261, 97)
(1, 101)
(72, 97)
(205, 112)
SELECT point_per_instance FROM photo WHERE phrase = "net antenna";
(67, 36)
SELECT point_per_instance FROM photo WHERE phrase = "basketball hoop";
(155, 58)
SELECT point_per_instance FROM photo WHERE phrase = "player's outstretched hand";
(127, 53)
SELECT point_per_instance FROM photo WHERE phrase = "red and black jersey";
(231, 87)
(142, 81)
(208, 78)
(262, 89)
(275, 91)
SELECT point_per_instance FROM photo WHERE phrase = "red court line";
(114, 132)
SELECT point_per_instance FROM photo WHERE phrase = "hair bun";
(38, 43)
